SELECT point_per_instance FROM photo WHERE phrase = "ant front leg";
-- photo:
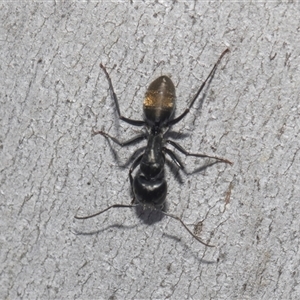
(127, 120)
(182, 150)
(133, 140)
(133, 167)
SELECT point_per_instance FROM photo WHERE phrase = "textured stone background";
(53, 93)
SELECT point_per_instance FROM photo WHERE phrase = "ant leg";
(129, 121)
(133, 167)
(182, 150)
(174, 158)
(179, 118)
(133, 140)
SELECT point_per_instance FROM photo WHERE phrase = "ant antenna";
(135, 205)
(104, 210)
(184, 225)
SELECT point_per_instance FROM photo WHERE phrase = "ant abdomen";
(159, 102)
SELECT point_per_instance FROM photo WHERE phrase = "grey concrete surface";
(53, 94)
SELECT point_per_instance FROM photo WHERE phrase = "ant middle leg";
(182, 150)
(132, 140)
(127, 120)
(174, 158)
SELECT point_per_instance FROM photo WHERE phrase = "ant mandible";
(149, 186)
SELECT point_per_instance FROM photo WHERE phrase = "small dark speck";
(272, 57)
(89, 183)
(169, 267)
(39, 61)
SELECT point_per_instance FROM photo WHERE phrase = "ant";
(149, 186)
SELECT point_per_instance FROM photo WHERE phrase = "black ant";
(149, 186)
